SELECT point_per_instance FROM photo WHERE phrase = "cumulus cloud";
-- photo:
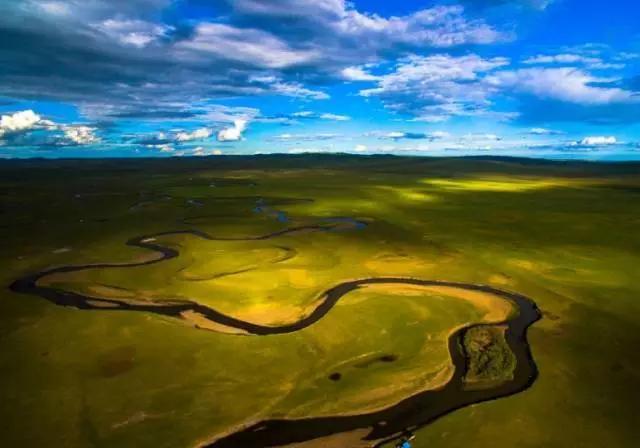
(395, 135)
(297, 90)
(233, 133)
(137, 33)
(80, 135)
(357, 74)
(121, 60)
(276, 85)
(180, 137)
(221, 114)
(437, 87)
(563, 84)
(338, 21)
(140, 59)
(434, 88)
(162, 148)
(27, 128)
(21, 121)
(254, 46)
(201, 151)
(198, 134)
(440, 26)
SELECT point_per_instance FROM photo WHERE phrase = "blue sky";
(135, 78)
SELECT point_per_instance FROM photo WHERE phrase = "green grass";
(564, 234)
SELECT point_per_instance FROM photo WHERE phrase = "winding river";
(383, 426)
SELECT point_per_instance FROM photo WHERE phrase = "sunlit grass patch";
(408, 193)
(502, 184)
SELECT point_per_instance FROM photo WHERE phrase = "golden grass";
(505, 184)
(197, 320)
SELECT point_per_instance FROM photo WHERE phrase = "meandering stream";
(382, 426)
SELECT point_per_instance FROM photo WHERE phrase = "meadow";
(267, 238)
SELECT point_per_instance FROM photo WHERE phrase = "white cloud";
(543, 131)
(440, 26)
(563, 84)
(589, 61)
(626, 56)
(439, 134)
(253, 46)
(225, 114)
(360, 148)
(198, 134)
(274, 84)
(597, 141)
(17, 122)
(304, 137)
(394, 135)
(80, 135)
(234, 133)
(137, 33)
(336, 21)
(149, 69)
(489, 137)
(26, 121)
(305, 150)
(434, 88)
(55, 7)
(335, 117)
(165, 148)
(297, 90)
(213, 56)
(322, 116)
(357, 74)
(303, 114)
(564, 58)
(202, 151)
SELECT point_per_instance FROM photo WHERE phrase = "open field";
(263, 241)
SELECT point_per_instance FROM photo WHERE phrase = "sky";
(164, 78)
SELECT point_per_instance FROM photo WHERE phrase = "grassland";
(564, 234)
